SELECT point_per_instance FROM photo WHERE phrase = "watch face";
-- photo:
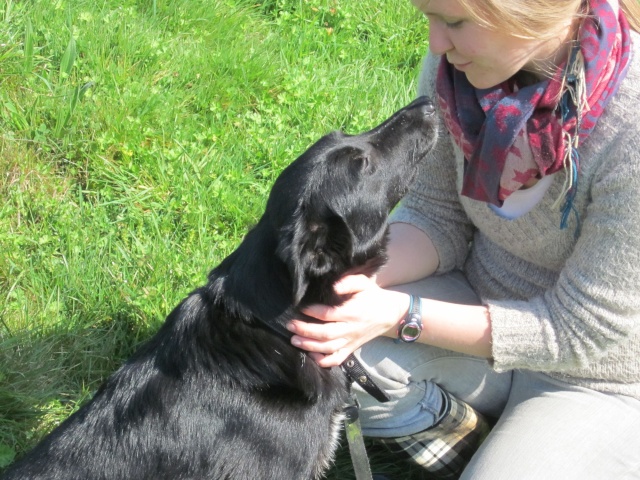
(410, 332)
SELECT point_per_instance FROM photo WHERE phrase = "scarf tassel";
(575, 95)
(569, 197)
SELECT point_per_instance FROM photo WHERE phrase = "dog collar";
(410, 326)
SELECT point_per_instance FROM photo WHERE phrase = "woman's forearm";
(451, 326)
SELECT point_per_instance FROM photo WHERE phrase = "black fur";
(219, 392)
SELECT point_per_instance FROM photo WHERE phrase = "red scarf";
(511, 135)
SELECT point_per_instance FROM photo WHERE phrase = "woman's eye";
(456, 24)
(447, 22)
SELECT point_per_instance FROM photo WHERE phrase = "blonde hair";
(631, 9)
(540, 19)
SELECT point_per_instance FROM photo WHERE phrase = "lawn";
(138, 142)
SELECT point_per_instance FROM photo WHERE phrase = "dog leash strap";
(357, 373)
(357, 449)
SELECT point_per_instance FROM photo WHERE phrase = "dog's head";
(330, 206)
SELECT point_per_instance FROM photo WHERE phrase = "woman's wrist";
(400, 302)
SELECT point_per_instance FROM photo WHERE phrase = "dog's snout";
(410, 119)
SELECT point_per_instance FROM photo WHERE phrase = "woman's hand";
(371, 311)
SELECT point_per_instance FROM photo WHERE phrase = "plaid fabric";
(445, 448)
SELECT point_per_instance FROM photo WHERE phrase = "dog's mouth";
(419, 153)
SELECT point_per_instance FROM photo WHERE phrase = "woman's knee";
(404, 371)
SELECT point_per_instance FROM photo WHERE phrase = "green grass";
(138, 142)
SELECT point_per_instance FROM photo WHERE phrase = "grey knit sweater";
(562, 301)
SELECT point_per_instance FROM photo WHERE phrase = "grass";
(138, 141)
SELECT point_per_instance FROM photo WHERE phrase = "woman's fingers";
(323, 312)
(318, 331)
(338, 331)
(311, 345)
(334, 359)
(353, 284)
(324, 342)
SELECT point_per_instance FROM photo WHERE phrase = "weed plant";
(138, 142)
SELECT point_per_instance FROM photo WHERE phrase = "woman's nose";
(439, 42)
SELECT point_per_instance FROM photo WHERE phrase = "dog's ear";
(319, 245)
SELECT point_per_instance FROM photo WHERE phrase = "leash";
(355, 372)
(357, 449)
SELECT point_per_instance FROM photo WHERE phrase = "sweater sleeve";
(593, 309)
(432, 204)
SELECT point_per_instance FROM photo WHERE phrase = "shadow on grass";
(46, 375)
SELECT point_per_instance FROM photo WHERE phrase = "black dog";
(219, 392)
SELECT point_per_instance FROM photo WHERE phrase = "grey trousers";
(546, 429)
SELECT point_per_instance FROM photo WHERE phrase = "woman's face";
(487, 57)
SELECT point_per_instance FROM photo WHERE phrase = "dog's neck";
(239, 284)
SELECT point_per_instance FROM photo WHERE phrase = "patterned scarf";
(510, 135)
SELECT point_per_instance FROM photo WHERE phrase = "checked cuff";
(445, 448)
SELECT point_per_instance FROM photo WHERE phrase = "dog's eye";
(361, 163)
(355, 159)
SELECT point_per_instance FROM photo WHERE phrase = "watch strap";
(414, 316)
(415, 308)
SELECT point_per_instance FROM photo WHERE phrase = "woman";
(520, 248)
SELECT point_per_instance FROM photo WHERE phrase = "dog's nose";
(429, 108)
(424, 104)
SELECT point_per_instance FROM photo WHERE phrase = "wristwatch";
(410, 327)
